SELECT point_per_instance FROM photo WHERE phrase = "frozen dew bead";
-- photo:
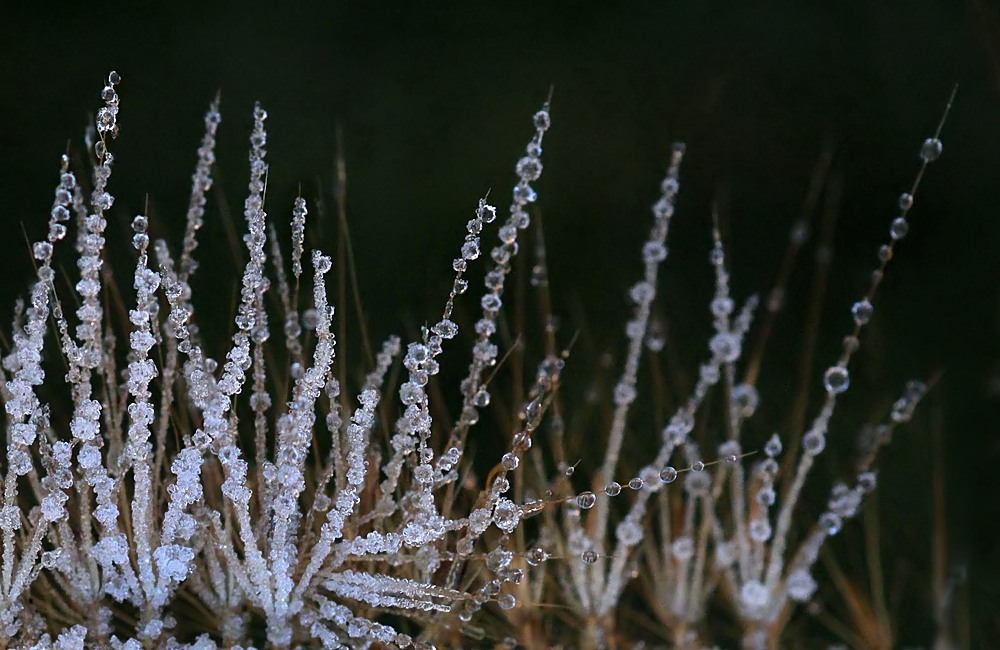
(773, 446)
(529, 168)
(725, 346)
(884, 253)
(310, 319)
(653, 251)
(760, 530)
(446, 329)
(930, 150)
(905, 201)
(731, 459)
(862, 311)
(510, 461)
(698, 466)
(629, 532)
(668, 474)
(721, 306)
(542, 120)
(867, 481)
(813, 443)
(682, 548)
(491, 302)
(586, 500)
(669, 185)
(524, 193)
(470, 250)
(506, 515)
(613, 489)
(754, 595)
(322, 263)
(836, 379)
(698, 484)
(42, 251)
(624, 394)
(766, 496)
(589, 557)
(800, 585)
(745, 398)
(830, 522)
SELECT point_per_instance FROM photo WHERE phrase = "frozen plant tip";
(157, 493)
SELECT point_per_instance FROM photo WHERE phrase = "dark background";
(435, 99)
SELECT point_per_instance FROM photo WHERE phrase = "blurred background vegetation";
(434, 100)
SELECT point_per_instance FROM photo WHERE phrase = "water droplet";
(668, 474)
(481, 398)
(586, 500)
(899, 228)
(613, 489)
(507, 601)
(930, 150)
(905, 201)
(698, 466)
(635, 483)
(589, 557)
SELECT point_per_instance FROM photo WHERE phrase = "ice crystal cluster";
(175, 496)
